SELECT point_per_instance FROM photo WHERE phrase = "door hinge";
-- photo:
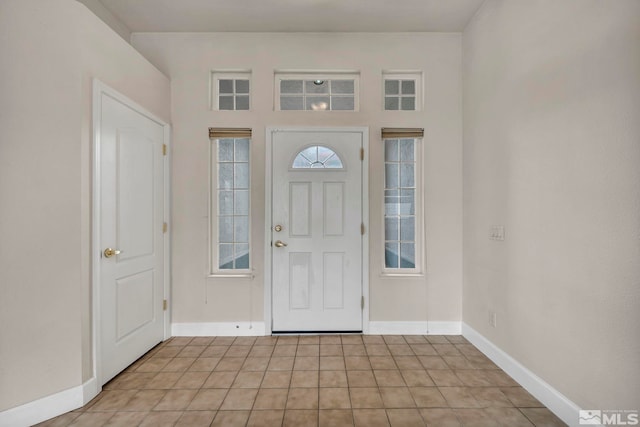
(362, 228)
(164, 149)
(362, 302)
(362, 154)
(164, 305)
(165, 227)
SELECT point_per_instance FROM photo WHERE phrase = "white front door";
(317, 214)
(130, 234)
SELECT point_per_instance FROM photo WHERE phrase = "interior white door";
(131, 285)
(317, 214)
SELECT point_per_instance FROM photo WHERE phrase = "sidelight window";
(402, 203)
(231, 204)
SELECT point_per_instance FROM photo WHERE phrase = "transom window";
(317, 157)
(304, 92)
(402, 92)
(231, 91)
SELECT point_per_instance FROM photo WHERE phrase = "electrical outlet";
(493, 319)
(496, 232)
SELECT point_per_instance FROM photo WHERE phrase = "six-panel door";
(317, 202)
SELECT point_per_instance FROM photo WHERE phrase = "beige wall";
(552, 152)
(188, 60)
(49, 53)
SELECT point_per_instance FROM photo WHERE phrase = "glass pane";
(407, 175)
(391, 253)
(241, 202)
(407, 150)
(408, 87)
(241, 229)
(291, 86)
(391, 202)
(408, 103)
(225, 229)
(241, 175)
(324, 153)
(391, 150)
(407, 202)
(310, 153)
(391, 103)
(407, 229)
(242, 102)
(226, 103)
(334, 163)
(242, 86)
(391, 175)
(317, 103)
(225, 86)
(291, 103)
(225, 202)
(242, 256)
(225, 256)
(342, 86)
(407, 255)
(311, 87)
(225, 150)
(300, 162)
(242, 150)
(342, 103)
(225, 176)
(391, 87)
(391, 228)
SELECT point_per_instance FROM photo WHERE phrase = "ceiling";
(292, 15)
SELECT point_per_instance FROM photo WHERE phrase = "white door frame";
(268, 273)
(99, 89)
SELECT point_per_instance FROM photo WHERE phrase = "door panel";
(333, 204)
(134, 203)
(131, 283)
(317, 276)
(131, 291)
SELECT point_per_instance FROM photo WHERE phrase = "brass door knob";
(279, 244)
(108, 253)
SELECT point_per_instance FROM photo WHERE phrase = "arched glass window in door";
(317, 157)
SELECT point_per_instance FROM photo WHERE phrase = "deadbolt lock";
(278, 228)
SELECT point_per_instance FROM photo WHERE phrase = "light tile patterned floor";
(327, 380)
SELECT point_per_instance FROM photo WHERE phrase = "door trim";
(268, 274)
(100, 89)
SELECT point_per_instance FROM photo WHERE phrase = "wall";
(189, 58)
(552, 152)
(50, 51)
(108, 18)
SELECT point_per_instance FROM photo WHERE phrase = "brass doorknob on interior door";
(280, 244)
(108, 253)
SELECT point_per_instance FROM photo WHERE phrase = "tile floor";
(327, 380)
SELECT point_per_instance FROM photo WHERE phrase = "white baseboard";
(221, 329)
(258, 328)
(50, 406)
(557, 403)
(90, 389)
(414, 328)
